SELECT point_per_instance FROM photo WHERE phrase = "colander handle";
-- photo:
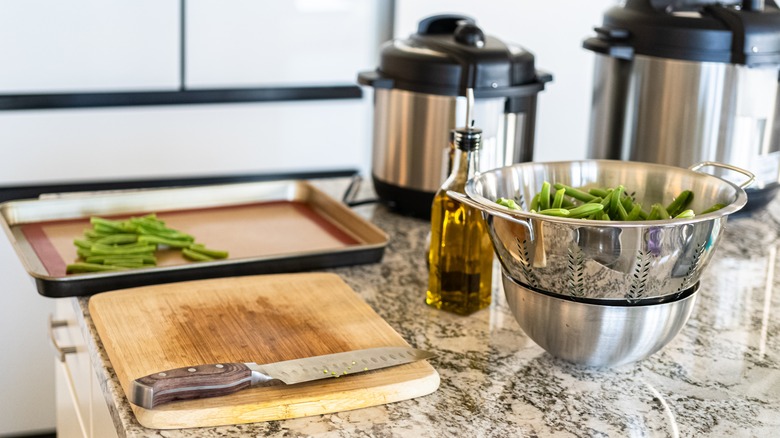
(494, 211)
(748, 174)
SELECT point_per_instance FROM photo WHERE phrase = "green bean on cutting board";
(604, 203)
(112, 245)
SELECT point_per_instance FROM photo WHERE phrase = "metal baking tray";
(267, 227)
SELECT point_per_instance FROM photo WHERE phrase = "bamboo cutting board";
(263, 319)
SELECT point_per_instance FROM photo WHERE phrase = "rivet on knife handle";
(190, 382)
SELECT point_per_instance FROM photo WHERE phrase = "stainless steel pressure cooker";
(419, 97)
(687, 81)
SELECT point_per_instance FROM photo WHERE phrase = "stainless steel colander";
(599, 259)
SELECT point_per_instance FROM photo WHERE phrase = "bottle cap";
(467, 139)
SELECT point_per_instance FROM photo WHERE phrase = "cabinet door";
(72, 388)
(245, 43)
(88, 45)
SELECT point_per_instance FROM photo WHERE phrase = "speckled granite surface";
(719, 377)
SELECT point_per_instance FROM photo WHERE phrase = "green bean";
(685, 214)
(118, 226)
(585, 210)
(680, 203)
(560, 212)
(715, 207)
(621, 212)
(628, 203)
(605, 217)
(574, 193)
(174, 243)
(196, 256)
(165, 233)
(634, 213)
(93, 234)
(508, 203)
(614, 201)
(126, 249)
(535, 202)
(84, 244)
(544, 196)
(90, 267)
(111, 260)
(597, 200)
(214, 253)
(117, 239)
(558, 200)
(658, 212)
(601, 193)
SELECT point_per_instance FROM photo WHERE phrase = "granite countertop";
(719, 377)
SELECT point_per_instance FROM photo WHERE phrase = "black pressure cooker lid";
(450, 53)
(738, 32)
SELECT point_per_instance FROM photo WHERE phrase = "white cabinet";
(245, 43)
(51, 46)
(81, 407)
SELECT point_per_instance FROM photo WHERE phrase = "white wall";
(553, 31)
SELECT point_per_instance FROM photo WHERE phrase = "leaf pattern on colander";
(576, 262)
(520, 200)
(525, 264)
(692, 267)
(639, 276)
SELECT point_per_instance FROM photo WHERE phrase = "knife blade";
(212, 380)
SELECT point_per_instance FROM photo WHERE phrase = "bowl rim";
(488, 205)
(611, 302)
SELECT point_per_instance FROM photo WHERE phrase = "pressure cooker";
(420, 97)
(689, 81)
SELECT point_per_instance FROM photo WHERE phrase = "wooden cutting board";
(263, 319)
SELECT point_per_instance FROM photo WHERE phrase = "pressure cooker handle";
(442, 24)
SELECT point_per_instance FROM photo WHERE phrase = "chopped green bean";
(214, 253)
(90, 267)
(715, 207)
(196, 256)
(560, 212)
(680, 203)
(173, 243)
(601, 193)
(117, 239)
(508, 203)
(685, 214)
(574, 193)
(585, 210)
(125, 249)
(634, 213)
(621, 211)
(558, 200)
(84, 244)
(544, 196)
(535, 202)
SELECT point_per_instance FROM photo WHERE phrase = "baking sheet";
(266, 227)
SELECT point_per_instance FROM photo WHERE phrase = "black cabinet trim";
(8, 193)
(183, 97)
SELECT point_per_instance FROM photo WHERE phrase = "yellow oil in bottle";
(461, 254)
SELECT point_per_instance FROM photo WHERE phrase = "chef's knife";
(225, 378)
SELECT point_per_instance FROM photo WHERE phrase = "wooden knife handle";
(189, 383)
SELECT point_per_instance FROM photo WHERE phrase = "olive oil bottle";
(461, 255)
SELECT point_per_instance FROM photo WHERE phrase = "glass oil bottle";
(461, 254)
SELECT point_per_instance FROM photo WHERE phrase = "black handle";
(442, 24)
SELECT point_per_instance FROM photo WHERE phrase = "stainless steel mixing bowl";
(597, 335)
(605, 259)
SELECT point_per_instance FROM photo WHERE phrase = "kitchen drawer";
(81, 407)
